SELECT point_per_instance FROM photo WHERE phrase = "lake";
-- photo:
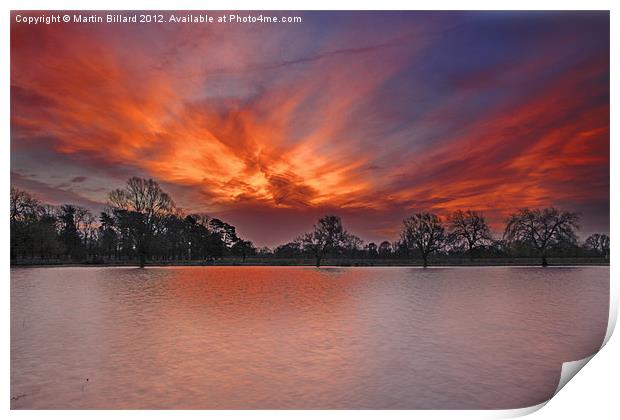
(300, 337)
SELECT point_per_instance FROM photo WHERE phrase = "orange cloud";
(225, 115)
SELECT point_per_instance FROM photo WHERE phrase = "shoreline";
(525, 262)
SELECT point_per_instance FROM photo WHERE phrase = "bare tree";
(424, 232)
(599, 243)
(147, 204)
(23, 205)
(471, 228)
(352, 244)
(85, 223)
(328, 235)
(541, 228)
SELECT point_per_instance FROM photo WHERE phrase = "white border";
(596, 385)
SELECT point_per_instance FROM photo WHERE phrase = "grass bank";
(338, 262)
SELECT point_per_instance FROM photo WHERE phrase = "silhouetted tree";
(598, 243)
(541, 229)
(352, 245)
(470, 228)
(327, 236)
(264, 251)
(85, 224)
(127, 226)
(143, 222)
(289, 250)
(25, 215)
(227, 232)
(144, 204)
(107, 234)
(400, 249)
(385, 249)
(69, 235)
(423, 232)
(243, 248)
(24, 206)
(371, 249)
(45, 242)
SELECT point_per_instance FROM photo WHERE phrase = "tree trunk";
(142, 259)
(318, 261)
(544, 261)
(425, 261)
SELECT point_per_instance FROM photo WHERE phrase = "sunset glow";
(369, 115)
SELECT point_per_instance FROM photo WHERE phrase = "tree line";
(141, 223)
(538, 233)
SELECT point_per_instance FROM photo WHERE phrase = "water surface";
(300, 337)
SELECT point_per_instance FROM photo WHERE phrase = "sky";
(372, 116)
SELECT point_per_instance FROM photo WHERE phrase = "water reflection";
(297, 337)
